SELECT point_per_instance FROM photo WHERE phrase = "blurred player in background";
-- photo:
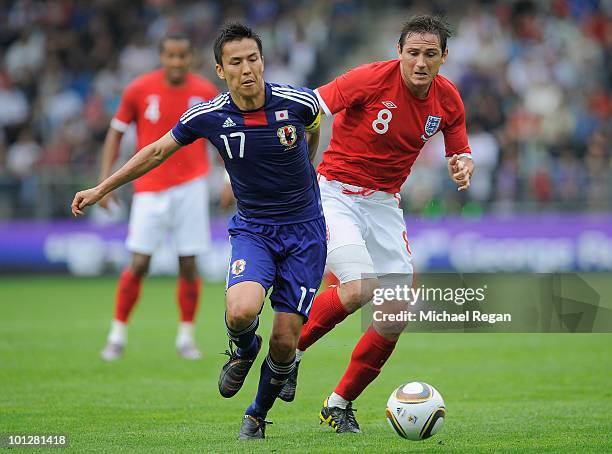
(386, 112)
(267, 135)
(172, 199)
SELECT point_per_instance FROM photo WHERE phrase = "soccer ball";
(415, 411)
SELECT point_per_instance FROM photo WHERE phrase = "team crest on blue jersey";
(238, 267)
(287, 135)
(432, 124)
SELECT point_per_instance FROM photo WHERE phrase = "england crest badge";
(432, 124)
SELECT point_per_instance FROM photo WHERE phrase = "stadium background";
(535, 77)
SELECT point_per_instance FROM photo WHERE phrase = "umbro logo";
(228, 123)
(389, 104)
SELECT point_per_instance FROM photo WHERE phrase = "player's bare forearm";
(460, 169)
(312, 138)
(110, 152)
(146, 159)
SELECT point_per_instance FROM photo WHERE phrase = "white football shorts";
(179, 212)
(366, 231)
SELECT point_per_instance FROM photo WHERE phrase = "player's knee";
(242, 303)
(356, 294)
(188, 268)
(239, 316)
(140, 265)
(240, 312)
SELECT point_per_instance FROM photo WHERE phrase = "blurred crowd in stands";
(535, 77)
(536, 80)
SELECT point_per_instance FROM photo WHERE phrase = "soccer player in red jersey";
(171, 199)
(385, 113)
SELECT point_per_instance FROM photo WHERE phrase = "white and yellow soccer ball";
(416, 411)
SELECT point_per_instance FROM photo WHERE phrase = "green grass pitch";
(503, 392)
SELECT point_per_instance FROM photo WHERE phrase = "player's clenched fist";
(460, 171)
(84, 199)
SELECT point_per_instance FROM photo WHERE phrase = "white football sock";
(185, 333)
(118, 333)
(298, 355)
(335, 400)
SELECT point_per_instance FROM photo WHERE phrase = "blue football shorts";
(288, 258)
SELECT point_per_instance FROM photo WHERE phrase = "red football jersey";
(381, 127)
(156, 106)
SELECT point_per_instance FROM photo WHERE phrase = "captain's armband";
(315, 124)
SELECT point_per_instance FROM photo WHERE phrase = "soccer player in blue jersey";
(266, 134)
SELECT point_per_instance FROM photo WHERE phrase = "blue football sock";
(271, 380)
(244, 339)
(251, 350)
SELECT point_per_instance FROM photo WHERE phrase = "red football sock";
(369, 355)
(128, 291)
(327, 311)
(188, 297)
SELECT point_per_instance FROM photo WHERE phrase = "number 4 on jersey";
(152, 112)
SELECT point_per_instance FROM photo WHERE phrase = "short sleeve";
(304, 104)
(312, 114)
(192, 125)
(127, 111)
(183, 134)
(455, 135)
(345, 91)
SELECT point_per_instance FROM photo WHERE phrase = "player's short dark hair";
(234, 32)
(436, 25)
(174, 36)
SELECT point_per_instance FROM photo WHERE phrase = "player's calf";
(389, 319)
(283, 344)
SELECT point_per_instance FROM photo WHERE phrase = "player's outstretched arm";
(110, 152)
(460, 169)
(146, 159)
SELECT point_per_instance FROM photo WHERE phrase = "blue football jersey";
(265, 152)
